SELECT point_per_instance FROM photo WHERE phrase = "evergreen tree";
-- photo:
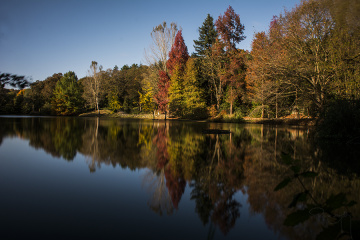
(67, 95)
(207, 36)
(176, 100)
(194, 104)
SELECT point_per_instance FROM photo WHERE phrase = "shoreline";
(246, 120)
(267, 121)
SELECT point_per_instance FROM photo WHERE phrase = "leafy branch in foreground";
(13, 80)
(337, 226)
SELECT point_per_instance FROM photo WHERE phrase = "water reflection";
(214, 166)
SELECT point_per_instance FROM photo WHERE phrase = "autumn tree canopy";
(178, 55)
(230, 29)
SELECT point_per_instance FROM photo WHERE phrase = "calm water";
(104, 179)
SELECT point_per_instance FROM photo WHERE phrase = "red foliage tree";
(162, 97)
(230, 29)
(178, 54)
(235, 75)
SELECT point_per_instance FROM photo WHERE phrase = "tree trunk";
(231, 100)
(276, 106)
(97, 106)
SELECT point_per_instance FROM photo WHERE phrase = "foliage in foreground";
(337, 224)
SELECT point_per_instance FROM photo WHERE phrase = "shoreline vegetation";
(289, 120)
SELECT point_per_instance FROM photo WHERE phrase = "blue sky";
(41, 37)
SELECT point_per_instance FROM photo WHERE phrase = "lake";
(91, 178)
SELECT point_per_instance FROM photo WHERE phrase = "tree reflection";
(92, 147)
(214, 166)
(266, 170)
(226, 211)
(218, 178)
(176, 185)
(111, 142)
(60, 137)
(161, 143)
(160, 200)
(67, 137)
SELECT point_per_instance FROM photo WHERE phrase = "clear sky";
(41, 37)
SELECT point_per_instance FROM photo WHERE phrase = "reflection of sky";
(40, 190)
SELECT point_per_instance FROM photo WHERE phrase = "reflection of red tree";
(175, 184)
(160, 141)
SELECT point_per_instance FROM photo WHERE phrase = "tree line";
(308, 57)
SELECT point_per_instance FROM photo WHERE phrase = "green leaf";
(309, 174)
(283, 184)
(297, 217)
(286, 158)
(300, 197)
(335, 202)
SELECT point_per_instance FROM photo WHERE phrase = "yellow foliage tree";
(146, 99)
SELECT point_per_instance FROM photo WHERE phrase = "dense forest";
(307, 59)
